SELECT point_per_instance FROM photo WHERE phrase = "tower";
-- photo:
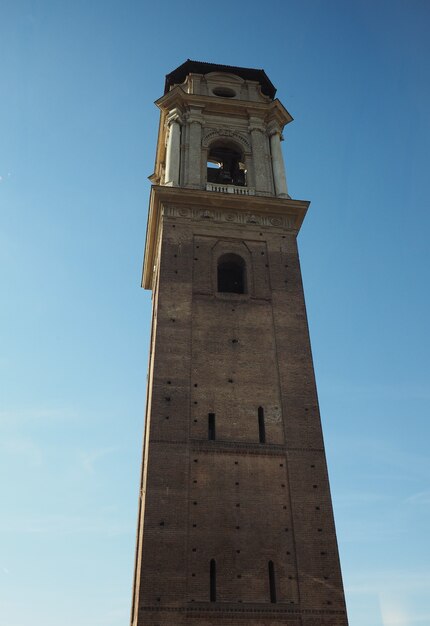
(235, 518)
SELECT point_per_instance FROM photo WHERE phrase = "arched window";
(226, 165)
(231, 274)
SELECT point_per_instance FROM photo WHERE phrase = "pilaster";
(193, 152)
(260, 157)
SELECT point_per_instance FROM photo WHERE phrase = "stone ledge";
(227, 609)
(235, 447)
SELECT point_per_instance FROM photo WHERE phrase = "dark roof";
(199, 67)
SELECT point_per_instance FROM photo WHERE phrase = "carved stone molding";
(256, 124)
(232, 217)
(221, 133)
(194, 117)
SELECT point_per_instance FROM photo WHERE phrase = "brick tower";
(235, 522)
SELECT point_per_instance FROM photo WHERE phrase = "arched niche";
(233, 256)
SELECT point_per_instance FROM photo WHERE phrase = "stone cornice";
(278, 112)
(264, 211)
(177, 97)
(273, 128)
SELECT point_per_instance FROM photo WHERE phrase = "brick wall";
(234, 499)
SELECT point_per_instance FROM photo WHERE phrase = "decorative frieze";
(234, 217)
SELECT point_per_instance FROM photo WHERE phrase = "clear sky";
(78, 130)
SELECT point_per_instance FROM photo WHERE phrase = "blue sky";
(78, 130)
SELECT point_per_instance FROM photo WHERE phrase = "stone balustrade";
(240, 191)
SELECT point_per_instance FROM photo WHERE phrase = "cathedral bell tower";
(235, 519)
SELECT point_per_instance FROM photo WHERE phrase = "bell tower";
(235, 519)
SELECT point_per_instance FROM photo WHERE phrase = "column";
(278, 166)
(173, 149)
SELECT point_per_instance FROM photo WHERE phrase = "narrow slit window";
(261, 426)
(212, 590)
(272, 582)
(211, 426)
(231, 274)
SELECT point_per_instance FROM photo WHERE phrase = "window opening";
(211, 426)
(272, 582)
(231, 274)
(224, 92)
(261, 426)
(212, 591)
(226, 166)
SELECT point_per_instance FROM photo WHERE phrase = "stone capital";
(175, 115)
(256, 124)
(194, 116)
(194, 119)
(273, 128)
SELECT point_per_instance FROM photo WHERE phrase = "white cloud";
(22, 448)
(423, 497)
(36, 414)
(410, 390)
(402, 596)
(390, 581)
(88, 459)
(66, 525)
(357, 497)
(409, 465)
(399, 611)
(393, 614)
